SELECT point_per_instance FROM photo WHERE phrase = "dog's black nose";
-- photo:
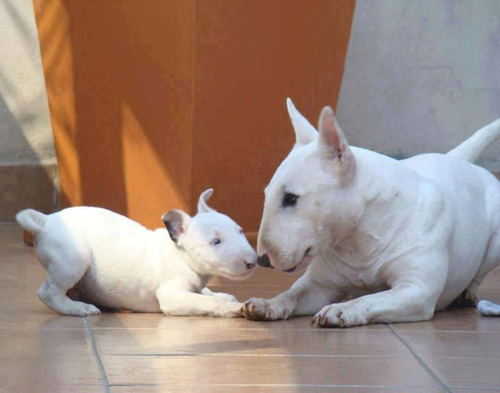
(264, 261)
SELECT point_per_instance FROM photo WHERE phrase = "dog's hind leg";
(491, 260)
(489, 309)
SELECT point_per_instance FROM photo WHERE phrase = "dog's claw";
(259, 310)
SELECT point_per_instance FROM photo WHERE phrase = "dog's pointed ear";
(332, 141)
(304, 131)
(202, 201)
(176, 222)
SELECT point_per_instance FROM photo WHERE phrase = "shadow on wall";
(28, 172)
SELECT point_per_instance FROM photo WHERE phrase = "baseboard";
(27, 186)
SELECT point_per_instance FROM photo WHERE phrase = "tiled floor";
(41, 351)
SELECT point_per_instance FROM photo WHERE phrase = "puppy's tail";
(471, 148)
(31, 220)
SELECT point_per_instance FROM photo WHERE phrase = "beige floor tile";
(39, 359)
(264, 370)
(19, 342)
(331, 342)
(160, 321)
(39, 317)
(453, 344)
(53, 387)
(467, 373)
(458, 390)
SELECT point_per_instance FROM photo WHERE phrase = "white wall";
(25, 129)
(421, 76)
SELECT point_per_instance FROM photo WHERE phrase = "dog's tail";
(471, 149)
(31, 220)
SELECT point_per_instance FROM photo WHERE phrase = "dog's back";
(472, 196)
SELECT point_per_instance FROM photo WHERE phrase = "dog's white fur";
(383, 240)
(105, 259)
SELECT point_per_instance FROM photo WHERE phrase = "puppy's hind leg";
(62, 276)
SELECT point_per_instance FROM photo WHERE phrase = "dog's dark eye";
(289, 199)
(215, 241)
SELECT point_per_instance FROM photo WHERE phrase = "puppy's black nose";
(264, 261)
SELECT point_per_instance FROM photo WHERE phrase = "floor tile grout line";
(207, 330)
(419, 360)
(419, 388)
(262, 355)
(90, 334)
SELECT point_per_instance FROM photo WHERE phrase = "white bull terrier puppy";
(383, 240)
(95, 256)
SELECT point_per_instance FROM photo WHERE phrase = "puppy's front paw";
(262, 310)
(337, 315)
(233, 310)
(227, 297)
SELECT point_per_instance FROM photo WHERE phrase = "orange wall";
(153, 102)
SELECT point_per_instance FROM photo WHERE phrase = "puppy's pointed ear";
(304, 131)
(332, 141)
(176, 222)
(202, 201)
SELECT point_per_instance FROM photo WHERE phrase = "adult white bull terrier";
(108, 260)
(383, 240)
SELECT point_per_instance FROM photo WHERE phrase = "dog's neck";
(388, 190)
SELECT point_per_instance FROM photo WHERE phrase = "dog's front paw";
(337, 315)
(262, 310)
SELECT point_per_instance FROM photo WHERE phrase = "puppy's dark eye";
(215, 241)
(289, 199)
